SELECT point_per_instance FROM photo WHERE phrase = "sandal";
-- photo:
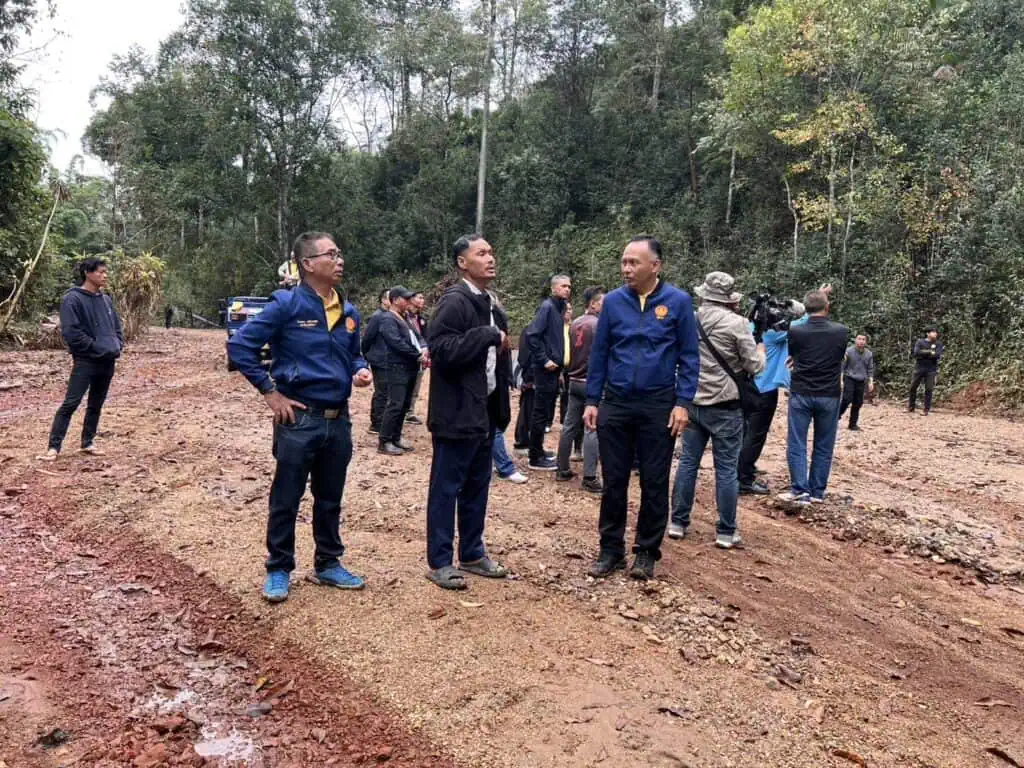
(447, 577)
(485, 567)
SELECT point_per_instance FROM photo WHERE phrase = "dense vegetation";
(875, 144)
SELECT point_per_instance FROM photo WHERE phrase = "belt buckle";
(332, 413)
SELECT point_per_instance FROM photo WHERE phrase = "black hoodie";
(90, 326)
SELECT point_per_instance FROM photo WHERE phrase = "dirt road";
(885, 628)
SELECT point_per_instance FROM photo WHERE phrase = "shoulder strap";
(718, 355)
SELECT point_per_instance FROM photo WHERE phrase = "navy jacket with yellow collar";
(310, 363)
(639, 352)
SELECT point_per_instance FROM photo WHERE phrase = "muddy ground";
(885, 628)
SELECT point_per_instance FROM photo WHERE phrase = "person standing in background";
(817, 349)
(418, 323)
(373, 351)
(727, 351)
(581, 339)
(402, 357)
(92, 330)
(858, 376)
(927, 353)
(549, 355)
(524, 365)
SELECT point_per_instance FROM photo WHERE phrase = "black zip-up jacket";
(372, 342)
(927, 355)
(546, 334)
(523, 360)
(395, 344)
(90, 326)
(460, 336)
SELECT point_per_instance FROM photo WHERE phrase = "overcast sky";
(80, 42)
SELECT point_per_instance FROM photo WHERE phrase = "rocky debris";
(970, 544)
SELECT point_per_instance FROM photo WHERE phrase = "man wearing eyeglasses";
(314, 343)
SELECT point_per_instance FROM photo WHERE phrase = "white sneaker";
(794, 498)
(516, 477)
(50, 455)
(816, 500)
(676, 531)
(723, 541)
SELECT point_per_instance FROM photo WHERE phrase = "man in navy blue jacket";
(92, 330)
(314, 344)
(549, 356)
(643, 373)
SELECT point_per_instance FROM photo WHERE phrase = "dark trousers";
(90, 376)
(628, 429)
(318, 450)
(928, 377)
(522, 436)
(460, 477)
(758, 425)
(380, 397)
(563, 396)
(400, 383)
(853, 398)
(546, 388)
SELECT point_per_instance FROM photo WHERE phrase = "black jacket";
(927, 355)
(90, 325)
(524, 359)
(460, 336)
(372, 342)
(546, 334)
(395, 344)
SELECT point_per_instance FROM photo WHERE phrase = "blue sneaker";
(337, 576)
(275, 586)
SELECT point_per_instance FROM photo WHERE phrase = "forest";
(873, 144)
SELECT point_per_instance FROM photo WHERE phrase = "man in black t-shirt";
(816, 349)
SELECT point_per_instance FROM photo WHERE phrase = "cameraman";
(771, 325)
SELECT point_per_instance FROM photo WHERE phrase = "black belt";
(328, 413)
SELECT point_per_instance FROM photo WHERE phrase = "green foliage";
(873, 144)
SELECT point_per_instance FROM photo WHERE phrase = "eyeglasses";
(334, 254)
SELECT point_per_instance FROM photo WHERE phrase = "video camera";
(768, 313)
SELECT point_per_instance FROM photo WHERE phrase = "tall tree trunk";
(849, 216)
(659, 45)
(693, 166)
(732, 184)
(831, 203)
(481, 181)
(796, 219)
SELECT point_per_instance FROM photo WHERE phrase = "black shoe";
(756, 488)
(390, 449)
(607, 564)
(565, 476)
(544, 465)
(643, 566)
(853, 428)
(592, 484)
(412, 418)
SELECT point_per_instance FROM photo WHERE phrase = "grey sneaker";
(794, 498)
(727, 541)
(676, 531)
(405, 445)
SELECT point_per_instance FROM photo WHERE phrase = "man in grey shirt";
(858, 374)
(715, 413)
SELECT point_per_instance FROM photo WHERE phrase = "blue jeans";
(824, 413)
(318, 450)
(724, 427)
(460, 477)
(503, 463)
